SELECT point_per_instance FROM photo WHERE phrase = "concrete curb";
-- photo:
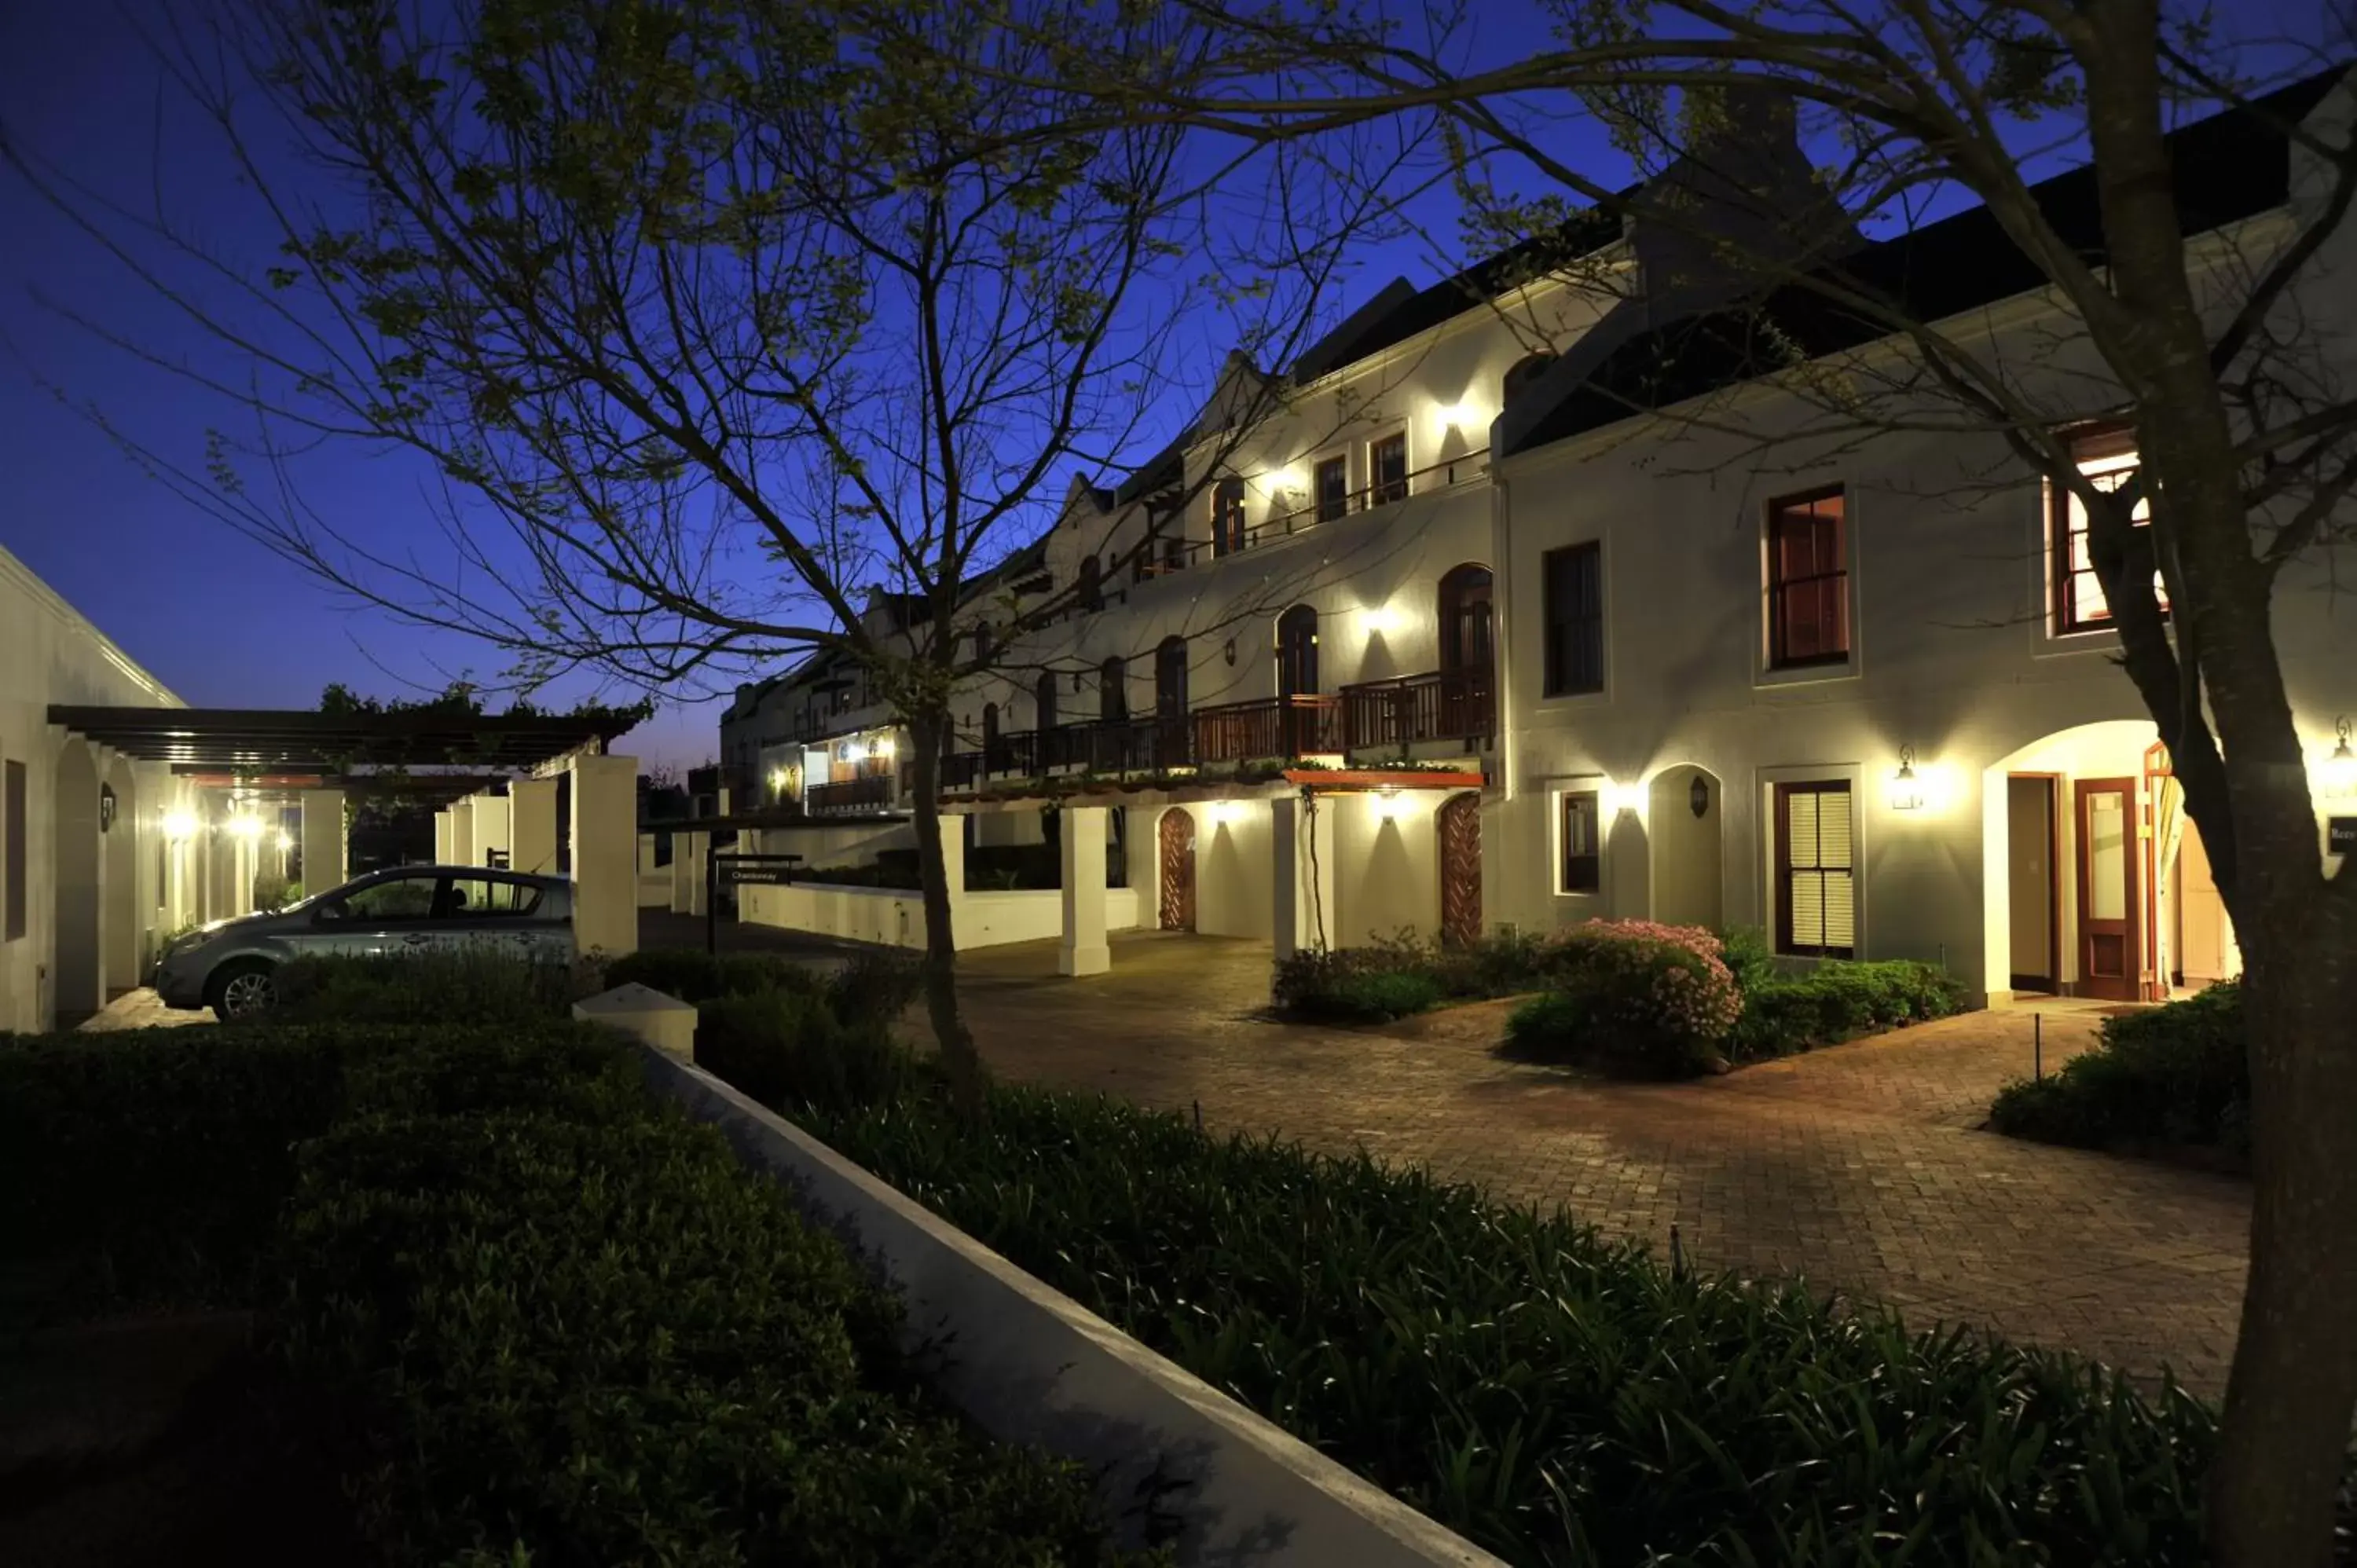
(1030, 1365)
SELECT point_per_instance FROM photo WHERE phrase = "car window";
(396, 898)
(484, 896)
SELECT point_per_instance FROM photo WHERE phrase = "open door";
(2111, 903)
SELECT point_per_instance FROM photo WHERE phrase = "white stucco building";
(1562, 522)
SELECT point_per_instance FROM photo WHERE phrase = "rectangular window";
(1331, 488)
(12, 813)
(1808, 582)
(2107, 459)
(1816, 892)
(1387, 470)
(1583, 856)
(1573, 592)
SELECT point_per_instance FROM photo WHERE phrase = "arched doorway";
(1685, 811)
(119, 843)
(1458, 823)
(76, 992)
(1465, 643)
(1177, 854)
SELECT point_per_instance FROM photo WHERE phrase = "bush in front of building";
(1637, 997)
(1838, 1000)
(1557, 1398)
(691, 975)
(456, 985)
(2172, 1076)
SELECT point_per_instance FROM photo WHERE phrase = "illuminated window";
(1228, 517)
(2108, 460)
(1808, 582)
(1816, 893)
(1387, 470)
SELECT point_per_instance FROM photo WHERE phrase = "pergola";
(296, 741)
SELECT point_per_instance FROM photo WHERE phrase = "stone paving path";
(1858, 1167)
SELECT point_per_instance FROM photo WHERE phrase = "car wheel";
(240, 990)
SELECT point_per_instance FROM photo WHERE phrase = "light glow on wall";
(1616, 797)
(1463, 415)
(1385, 619)
(2339, 772)
(246, 825)
(1387, 804)
(181, 824)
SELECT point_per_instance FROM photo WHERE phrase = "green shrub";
(149, 1162)
(875, 987)
(1379, 998)
(698, 977)
(2178, 1074)
(783, 1047)
(1331, 982)
(1558, 1399)
(1838, 1000)
(600, 1339)
(1749, 958)
(459, 985)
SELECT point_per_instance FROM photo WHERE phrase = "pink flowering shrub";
(1643, 996)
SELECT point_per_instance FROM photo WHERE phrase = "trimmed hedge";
(697, 977)
(462, 985)
(1391, 977)
(1556, 1398)
(1839, 1000)
(581, 1332)
(2173, 1075)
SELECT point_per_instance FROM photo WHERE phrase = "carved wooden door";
(1178, 870)
(1460, 826)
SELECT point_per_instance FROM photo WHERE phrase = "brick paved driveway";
(1857, 1168)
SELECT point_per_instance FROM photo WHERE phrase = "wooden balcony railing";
(867, 792)
(1270, 726)
(1439, 705)
(1167, 555)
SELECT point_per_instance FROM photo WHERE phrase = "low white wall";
(1030, 1365)
(655, 889)
(895, 918)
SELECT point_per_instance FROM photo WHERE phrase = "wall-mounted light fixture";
(1698, 796)
(285, 844)
(181, 826)
(2341, 768)
(1387, 802)
(1461, 415)
(246, 825)
(1383, 619)
(1616, 798)
(853, 751)
(1228, 652)
(1906, 790)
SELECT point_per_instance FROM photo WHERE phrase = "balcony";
(867, 792)
(1178, 555)
(1439, 705)
(1271, 726)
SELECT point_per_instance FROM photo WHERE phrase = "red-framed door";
(2111, 884)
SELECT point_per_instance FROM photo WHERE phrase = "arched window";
(1525, 371)
(1171, 679)
(1465, 640)
(1091, 589)
(1044, 696)
(1227, 517)
(1296, 652)
(1113, 690)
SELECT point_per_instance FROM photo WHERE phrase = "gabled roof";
(2232, 166)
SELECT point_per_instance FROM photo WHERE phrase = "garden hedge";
(2178, 1075)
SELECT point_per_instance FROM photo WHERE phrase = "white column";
(444, 836)
(493, 828)
(244, 861)
(1304, 880)
(1081, 833)
(462, 833)
(687, 852)
(952, 871)
(605, 854)
(324, 842)
(532, 826)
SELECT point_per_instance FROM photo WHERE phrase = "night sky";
(216, 617)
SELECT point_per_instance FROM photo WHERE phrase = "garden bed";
(525, 1308)
(2170, 1083)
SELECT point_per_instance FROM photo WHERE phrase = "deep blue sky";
(217, 617)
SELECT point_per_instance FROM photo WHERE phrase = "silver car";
(229, 964)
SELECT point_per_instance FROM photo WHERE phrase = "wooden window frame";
(1228, 531)
(1779, 586)
(1382, 492)
(1564, 624)
(2090, 444)
(1577, 874)
(1785, 870)
(1340, 463)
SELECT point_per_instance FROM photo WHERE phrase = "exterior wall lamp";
(1906, 790)
(2341, 768)
(1698, 797)
(181, 826)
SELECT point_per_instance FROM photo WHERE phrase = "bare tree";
(2233, 383)
(702, 317)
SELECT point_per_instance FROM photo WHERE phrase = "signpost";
(2341, 835)
(739, 870)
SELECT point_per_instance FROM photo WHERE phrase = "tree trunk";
(2294, 1387)
(927, 731)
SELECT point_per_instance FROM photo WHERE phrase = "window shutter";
(1833, 844)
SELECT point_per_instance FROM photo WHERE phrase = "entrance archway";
(1176, 838)
(1685, 810)
(74, 786)
(119, 843)
(1458, 823)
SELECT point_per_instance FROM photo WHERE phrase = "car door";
(491, 913)
(392, 913)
